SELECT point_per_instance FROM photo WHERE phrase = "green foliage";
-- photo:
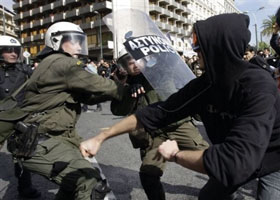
(268, 25)
(263, 45)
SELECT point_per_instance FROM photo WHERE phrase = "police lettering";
(150, 44)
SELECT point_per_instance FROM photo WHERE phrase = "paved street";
(119, 163)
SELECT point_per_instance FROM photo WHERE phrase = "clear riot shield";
(157, 59)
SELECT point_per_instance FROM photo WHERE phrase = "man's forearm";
(192, 160)
(126, 125)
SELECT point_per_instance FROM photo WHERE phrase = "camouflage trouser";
(62, 162)
(187, 137)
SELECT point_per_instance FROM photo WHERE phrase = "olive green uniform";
(53, 97)
(184, 132)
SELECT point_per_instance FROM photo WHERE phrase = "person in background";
(13, 74)
(252, 57)
(260, 53)
(266, 53)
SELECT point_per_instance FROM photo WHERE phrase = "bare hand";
(90, 147)
(168, 149)
(276, 28)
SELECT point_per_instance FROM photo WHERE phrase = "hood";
(223, 40)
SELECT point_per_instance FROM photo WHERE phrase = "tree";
(267, 25)
(263, 45)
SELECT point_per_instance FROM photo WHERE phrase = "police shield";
(157, 59)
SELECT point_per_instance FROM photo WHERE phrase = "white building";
(202, 9)
(176, 17)
(7, 24)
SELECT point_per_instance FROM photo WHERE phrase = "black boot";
(152, 187)
(100, 190)
(25, 188)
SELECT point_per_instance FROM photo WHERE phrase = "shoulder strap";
(14, 94)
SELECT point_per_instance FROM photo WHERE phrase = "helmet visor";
(123, 61)
(5, 50)
(11, 49)
(74, 43)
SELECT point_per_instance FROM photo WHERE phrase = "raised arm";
(91, 146)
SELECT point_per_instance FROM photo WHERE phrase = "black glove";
(136, 90)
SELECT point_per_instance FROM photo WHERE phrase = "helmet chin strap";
(5, 64)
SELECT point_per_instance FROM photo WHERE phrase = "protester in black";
(252, 57)
(239, 105)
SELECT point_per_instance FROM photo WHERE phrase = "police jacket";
(122, 108)
(12, 76)
(238, 102)
(57, 87)
(130, 105)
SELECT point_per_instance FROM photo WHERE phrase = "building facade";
(173, 17)
(35, 16)
(7, 24)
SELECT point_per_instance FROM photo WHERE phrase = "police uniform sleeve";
(124, 107)
(81, 81)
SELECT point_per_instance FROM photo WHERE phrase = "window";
(154, 16)
(34, 33)
(92, 39)
(42, 47)
(33, 50)
(106, 37)
(44, 30)
(24, 35)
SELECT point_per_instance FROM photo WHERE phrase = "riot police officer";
(183, 131)
(53, 100)
(13, 73)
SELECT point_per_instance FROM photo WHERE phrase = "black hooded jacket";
(238, 103)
